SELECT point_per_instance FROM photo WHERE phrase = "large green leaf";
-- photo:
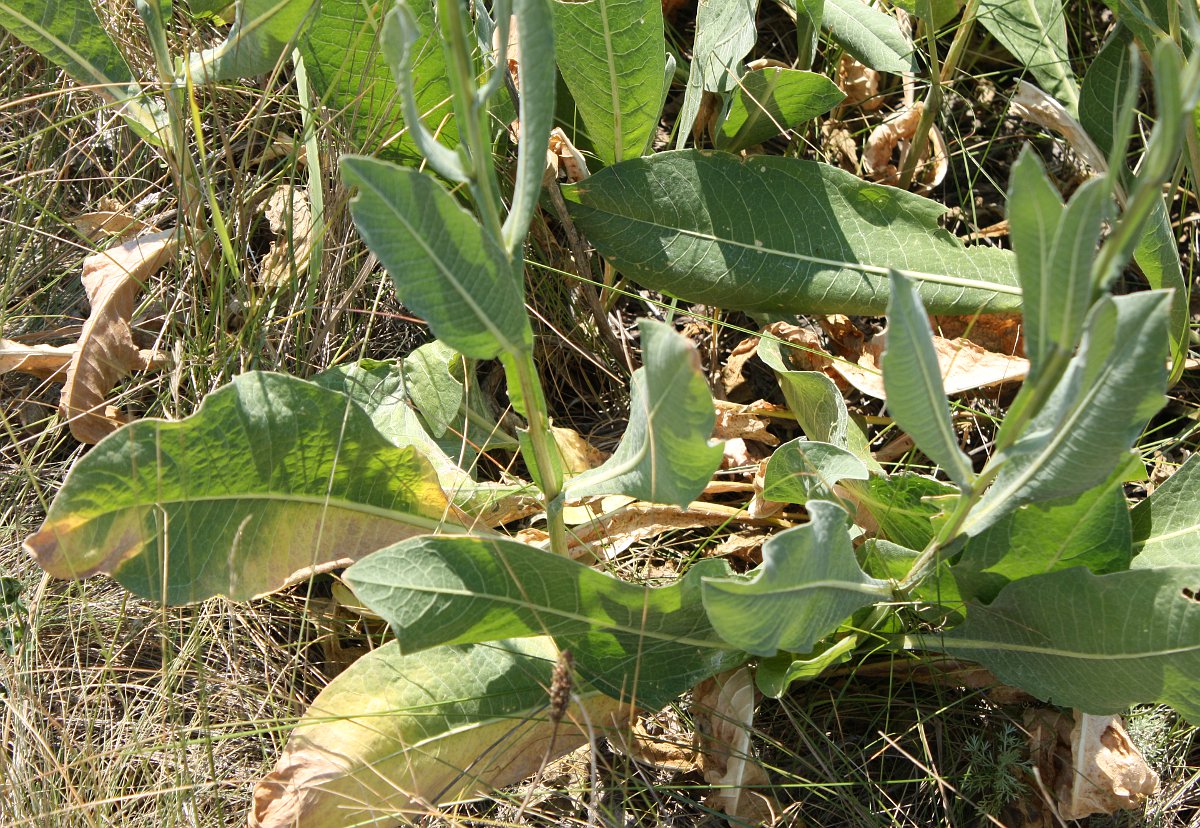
(725, 34)
(68, 33)
(781, 235)
(870, 35)
(1089, 530)
(644, 645)
(263, 34)
(343, 55)
(772, 100)
(812, 396)
(1035, 32)
(611, 54)
(912, 380)
(665, 455)
(1110, 389)
(442, 263)
(271, 479)
(803, 470)
(394, 734)
(1099, 643)
(1166, 525)
(808, 583)
(1055, 248)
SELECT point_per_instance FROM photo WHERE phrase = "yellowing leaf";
(112, 280)
(394, 736)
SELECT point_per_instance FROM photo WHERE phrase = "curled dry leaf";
(609, 534)
(723, 711)
(1037, 107)
(49, 362)
(734, 384)
(744, 424)
(109, 223)
(112, 280)
(759, 506)
(838, 143)
(290, 216)
(965, 366)
(894, 136)
(1087, 763)
(566, 162)
(860, 83)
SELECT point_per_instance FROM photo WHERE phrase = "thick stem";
(544, 450)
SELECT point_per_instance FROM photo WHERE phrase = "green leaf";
(943, 10)
(263, 34)
(725, 34)
(378, 389)
(802, 470)
(904, 506)
(890, 561)
(1055, 248)
(780, 235)
(1035, 32)
(539, 85)
(645, 645)
(812, 396)
(773, 100)
(1166, 525)
(665, 455)
(68, 33)
(807, 584)
(610, 53)
(912, 380)
(775, 674)
(342, 53)
(1111, 388)
(1099, 643)
(443, 265)
(868, 34)
(272, 479)
(395, 734)
(1091, 529)
(1104, 88)
(433, 381)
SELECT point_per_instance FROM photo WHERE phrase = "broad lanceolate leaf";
(263, 34)
(611, 53)
(1112, 386)
(443, 265)
(68, 33)
(635, 643)
(1035, 32)
(812, 396)
(1099, 643)
(913, 382)
(1090, 530)
(665, 455)
(769, 101)
(870, 35)
(395, 733)
(781, 235)
(1166, 525)
(808, 583)
(433, 381)
(349, 71)
(272, 479)
(1055, 249)
(802, 470)
(725, 34)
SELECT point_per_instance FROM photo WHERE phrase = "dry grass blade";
(113, 279)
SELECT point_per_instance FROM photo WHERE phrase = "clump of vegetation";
(458, 512)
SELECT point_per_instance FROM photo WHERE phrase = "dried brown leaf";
(290, 216)
(893, 138)
(109, 223)
(965, 366)
(723, 712)
(112, 280)
(742, 424)
(578, 455)
(860, 83)
(49, 362)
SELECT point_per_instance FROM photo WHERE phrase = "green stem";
(933, 104)
(474, 138)
(544, 450)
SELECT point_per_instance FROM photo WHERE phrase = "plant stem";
(544, 451)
